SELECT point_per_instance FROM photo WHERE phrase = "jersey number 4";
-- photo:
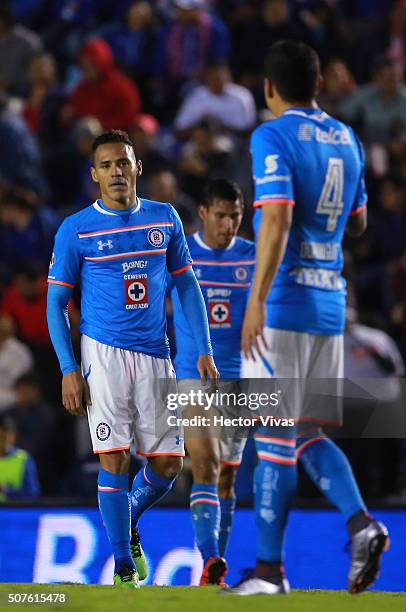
(331, 198)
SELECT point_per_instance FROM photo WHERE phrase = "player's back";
(313, 162)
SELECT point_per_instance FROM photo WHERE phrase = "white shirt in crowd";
(15, 360)
(234, 108)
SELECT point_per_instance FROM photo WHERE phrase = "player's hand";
(253, 329)
(207, 368)
(75, 393)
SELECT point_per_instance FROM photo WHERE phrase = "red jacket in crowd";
(109, 95)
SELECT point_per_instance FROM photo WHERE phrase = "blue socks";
(115, 510)
(205, 509)
(227, 507)
(147, 489)
(331, 472)
(274, 488)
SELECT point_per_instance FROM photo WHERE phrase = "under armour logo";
(108, 244)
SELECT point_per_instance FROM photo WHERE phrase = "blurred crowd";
(184, 78)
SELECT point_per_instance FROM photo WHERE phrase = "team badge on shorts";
(156, 237)
(136, 292)
(240, 274)
(103, 432)
(219, 313)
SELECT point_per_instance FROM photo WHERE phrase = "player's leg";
(155, 440)
(204, 455)
(228, 474)
(231, 452)
(151, 483)
(274, 488)
(330, 470)
(115, 510)
(111, 433)
(275, 478)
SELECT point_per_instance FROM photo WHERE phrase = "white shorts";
(302, 356)
(232, 442)
(128, 392)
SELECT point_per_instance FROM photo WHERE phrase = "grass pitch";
(193, 599)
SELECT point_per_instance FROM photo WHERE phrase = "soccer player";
(120, 249)
(224, 265)
(309, 188)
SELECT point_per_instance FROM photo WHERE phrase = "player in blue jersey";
(120, 249)
(224, 265)
(309, 188)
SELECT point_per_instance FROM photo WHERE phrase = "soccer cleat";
(367, 547)
(214, 571)
(126, 578)
(138, 555)
(251, 585)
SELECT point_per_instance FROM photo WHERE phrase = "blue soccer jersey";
(224, 276)
(313, 162)
(121, 259)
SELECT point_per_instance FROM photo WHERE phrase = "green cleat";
(138, 555)
(127, 578)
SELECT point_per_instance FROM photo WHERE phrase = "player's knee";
(167, 466)
(116, 462)
(226, 481)
(206, 468)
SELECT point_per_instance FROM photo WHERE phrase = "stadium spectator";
(104, 92)
(207, 153)
(338, 84)
(185, 46)
(132, 42)
(20, 158)
(24, 302)
(15, 359)
(68, 167)
(18, 472)
(251, 38)
(220, 101)
(327, 32)
(379, 107)
(397, 49)
(26, 229)
(44, 100)
(163, 187)
(36, 424)
(17, 44)
(145, 136)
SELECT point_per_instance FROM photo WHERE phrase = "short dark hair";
(110, 137)
(294, 68)
(221, 189)
(7, 422)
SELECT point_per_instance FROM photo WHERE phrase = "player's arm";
(194, 309)
(75, 391)
(274, 193)
(179, 264)
(64, 271)
(271, 246)
(357, 223)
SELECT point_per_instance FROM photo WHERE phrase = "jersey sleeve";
(178, 257)
(361, 197)
(273, 182)
(64, 268)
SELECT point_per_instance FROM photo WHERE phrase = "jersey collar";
(202, 243)
(315, 113)
(109, 211)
